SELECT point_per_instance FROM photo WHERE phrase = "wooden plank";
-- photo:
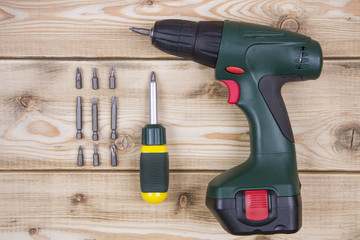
(37, 118)
(100, 29)
(109, 206)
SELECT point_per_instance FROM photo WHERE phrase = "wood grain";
(37, 118)
(108, 206)
(95, 29)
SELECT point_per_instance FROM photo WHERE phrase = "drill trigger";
(234, 91)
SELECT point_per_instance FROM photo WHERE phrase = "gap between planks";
(170, 58)
(87, 171)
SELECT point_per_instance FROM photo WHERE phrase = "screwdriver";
(154, 159)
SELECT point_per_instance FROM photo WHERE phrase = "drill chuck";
(198, 41)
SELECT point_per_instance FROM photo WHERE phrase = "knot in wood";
(25, 101)
(124, 142)
(290, 24)
(149, 2)
(33, 231)
(215, 89)
(350, 138)
(28, 102)
(184, 200)
(78, 198)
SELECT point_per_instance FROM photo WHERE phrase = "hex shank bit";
(96, 156)
(78, 118)
(78, 78)
(113, 156)
(95, 84)
(113, 118)
(80, 157)
(112, 79)
(95, 135)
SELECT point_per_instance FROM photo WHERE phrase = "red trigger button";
(234, 91)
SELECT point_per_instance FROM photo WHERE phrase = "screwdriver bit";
(143, 31)
(95, 84)
(78, 118)
(112, 78)
(80, 157)
(113, 156)
(95, 135)
(96, 156)
(78, 79)
(113, 118)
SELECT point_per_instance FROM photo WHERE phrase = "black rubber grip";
(270, 88)
(154, 172)
(154, 134)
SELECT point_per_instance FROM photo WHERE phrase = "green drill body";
(256, 61)
(263, 51)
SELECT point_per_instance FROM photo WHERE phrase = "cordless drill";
(262, 195)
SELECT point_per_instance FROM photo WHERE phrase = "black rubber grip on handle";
(154, 172)
(270, 88)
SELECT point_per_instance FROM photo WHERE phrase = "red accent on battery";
(234, 91)
(256, 203)
(234, 70)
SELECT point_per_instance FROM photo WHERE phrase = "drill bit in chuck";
(113, 118)
(143, 31)
(78, 118)
(95, 135)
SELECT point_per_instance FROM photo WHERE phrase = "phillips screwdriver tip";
(113, 156)
(78, 78)
(112, 78)
(142, 31)
(80, 157)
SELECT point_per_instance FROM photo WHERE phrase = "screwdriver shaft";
(153, 99)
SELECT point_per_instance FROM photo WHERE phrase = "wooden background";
(44, 195)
